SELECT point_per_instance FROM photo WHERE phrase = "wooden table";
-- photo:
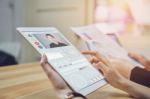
(28, 81)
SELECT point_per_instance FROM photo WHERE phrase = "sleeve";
(140, 76)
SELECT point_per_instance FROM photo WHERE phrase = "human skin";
(141, 59)
(111, 74)
(115, 79)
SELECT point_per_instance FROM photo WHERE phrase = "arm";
(115, 78)
(140, 75)
(135, 90)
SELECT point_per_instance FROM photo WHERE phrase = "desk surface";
(28, 81)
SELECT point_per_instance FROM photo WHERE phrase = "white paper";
(102, 43)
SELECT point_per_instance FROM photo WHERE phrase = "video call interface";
(48, 40)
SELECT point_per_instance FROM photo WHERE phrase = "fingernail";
(44, 55)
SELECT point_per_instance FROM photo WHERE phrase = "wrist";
(124, 84)
(62, 93)
(74, 95)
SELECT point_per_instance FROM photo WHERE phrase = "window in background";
(123, 16)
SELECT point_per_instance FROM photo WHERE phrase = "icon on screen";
(40, 47)
(37, 43)
(29, 35)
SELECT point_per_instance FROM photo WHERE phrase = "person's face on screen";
(52, 39)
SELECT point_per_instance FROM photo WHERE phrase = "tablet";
(68, 62)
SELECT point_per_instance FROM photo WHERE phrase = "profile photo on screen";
(54, 42)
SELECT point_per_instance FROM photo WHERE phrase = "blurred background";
(128, 19)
